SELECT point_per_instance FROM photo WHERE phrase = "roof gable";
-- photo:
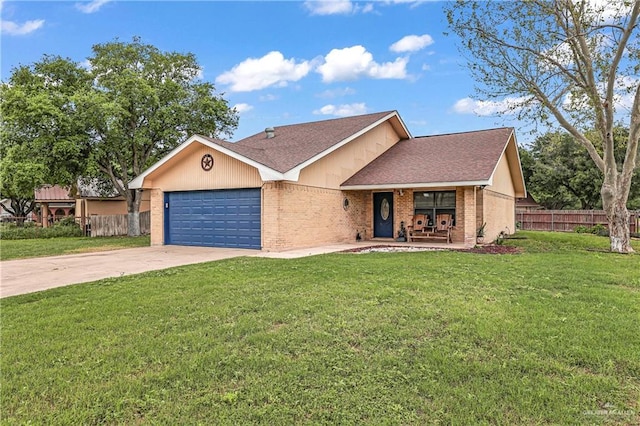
(468, 158)
(296, 144)
(292, 148)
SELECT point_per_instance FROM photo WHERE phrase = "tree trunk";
(134, 224)
(618, 217)
(133, 215)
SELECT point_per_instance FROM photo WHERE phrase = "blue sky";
(279, 62)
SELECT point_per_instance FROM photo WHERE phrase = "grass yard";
(18, 249)
(548, 336)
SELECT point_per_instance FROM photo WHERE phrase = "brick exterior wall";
(297, 216)
(465, 229)
(157, 217)
(402, 209)
(499, 213)
(479, 208)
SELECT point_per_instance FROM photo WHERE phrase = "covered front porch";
(385, 211)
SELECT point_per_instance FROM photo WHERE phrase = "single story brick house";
(329, 181)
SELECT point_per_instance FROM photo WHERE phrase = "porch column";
(44, 212)
(469, 200)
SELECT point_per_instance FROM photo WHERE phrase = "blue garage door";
(222, 218)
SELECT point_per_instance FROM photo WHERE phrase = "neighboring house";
(326, 182)
(527, 204)
(56, 202)
(91, 201)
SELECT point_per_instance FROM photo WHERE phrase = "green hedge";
(64, 228)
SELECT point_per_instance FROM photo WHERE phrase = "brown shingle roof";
(294, 144)
(457, 157)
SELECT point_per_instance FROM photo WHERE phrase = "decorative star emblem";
(207, 162)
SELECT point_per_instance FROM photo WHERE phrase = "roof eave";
(518, 193)
(381, 186)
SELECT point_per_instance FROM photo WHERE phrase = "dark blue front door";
(223, 218)
(383, 214)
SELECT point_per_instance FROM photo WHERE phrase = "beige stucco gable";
(333, 169)
(516, 176)
(183, 172)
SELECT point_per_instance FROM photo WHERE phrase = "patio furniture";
(421, 230)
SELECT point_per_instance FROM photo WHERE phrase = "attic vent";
(270, 132)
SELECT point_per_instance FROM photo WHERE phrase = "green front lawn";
(549, 336)
(18, 249)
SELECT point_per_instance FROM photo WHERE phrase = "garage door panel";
(221, 218)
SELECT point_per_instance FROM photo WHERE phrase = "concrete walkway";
(36, 274)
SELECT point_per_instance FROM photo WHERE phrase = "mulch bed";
(494, 249)
(483, 249)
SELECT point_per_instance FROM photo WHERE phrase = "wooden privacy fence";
(568, 220)
(117, 224)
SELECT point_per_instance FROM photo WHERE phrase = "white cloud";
(13, 28)
(242, 107)
(336, 93)
(411, 43)
(257, 73)
(342, 110)
(608, 10)
(623, 95)
(354, 62)
(268, 97)
(329, 7)
(485, 108)
(367, 8)
(86, 64)
(336, 7)
(92, 6)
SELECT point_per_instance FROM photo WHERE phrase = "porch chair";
(444, 223)
(418, 226)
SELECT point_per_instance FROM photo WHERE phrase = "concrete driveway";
(30, 275)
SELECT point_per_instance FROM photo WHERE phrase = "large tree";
(564, 177)
(564, 62)
(20, 175)
(561, 175)
(43, 138)
(145, 103)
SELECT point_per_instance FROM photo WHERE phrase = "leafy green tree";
(568, 63)
(111, 122)
(145, 103)
(562, 175)
(42, 137)
(19, 176)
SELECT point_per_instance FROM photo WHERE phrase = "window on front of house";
(433, 203)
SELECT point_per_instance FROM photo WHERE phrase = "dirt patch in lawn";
(494, 249)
